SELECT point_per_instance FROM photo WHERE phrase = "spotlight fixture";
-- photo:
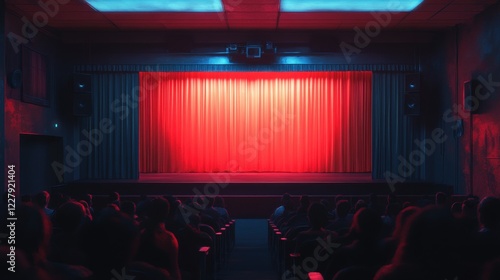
(253, 51)
(269, 46)
(233, 47)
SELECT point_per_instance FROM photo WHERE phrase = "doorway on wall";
(38, 152)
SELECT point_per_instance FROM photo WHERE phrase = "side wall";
(27, 118)
(470, 158)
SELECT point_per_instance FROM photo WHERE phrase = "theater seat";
(357, 272)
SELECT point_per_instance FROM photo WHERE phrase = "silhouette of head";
(441, 198)
(33, 230)
(110, 242)
(343, 208)
(304, 202)
(158, 210)
(366, 225)
(489, 213)
(317, 215)
(69, 216)
(430, 240)
(41, 199)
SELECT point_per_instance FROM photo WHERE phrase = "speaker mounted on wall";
(411, 99)
(82, 95)
(412, 82)
(412, 104)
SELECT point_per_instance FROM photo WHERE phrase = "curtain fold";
(393, 132)
(255, 122)
(112, 130)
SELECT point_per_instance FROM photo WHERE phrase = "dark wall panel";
(28, 118)
(470, 158)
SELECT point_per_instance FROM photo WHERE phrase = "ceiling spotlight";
(254, 51)
(233, 47)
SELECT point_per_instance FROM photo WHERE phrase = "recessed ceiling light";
(157, 5)
(348, 5)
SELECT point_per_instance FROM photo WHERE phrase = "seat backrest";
(357, 272)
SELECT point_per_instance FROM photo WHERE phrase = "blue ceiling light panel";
(298, 6)
(157, 5)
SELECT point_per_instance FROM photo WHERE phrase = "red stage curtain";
(255, 122)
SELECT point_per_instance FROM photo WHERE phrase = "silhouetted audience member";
(364, 249)
(343, 219)
(90, 202)
(390, 244)
(65, 246)
(158, 246)
(114, 198)
(338, 198)
(468, 216)
(284, 208)
(212, 213)
(424, 201)
(441, 199)
(456, 209)
(195, 224)
(111, 242)
(192, 207)
(299, 217)
(142, 206)
(318, 219)
(57, 199)
(185, 222)
(331, 213)
(175, 219)
(88, 213)
(129, 209)
(191, 238)
(491, 270)
(429, 249)
(373, 203)
(220, 207)
(307, 242)
(489, 233)
(42, 200)
(469, 208)
(33, 232)
(359, 204)
(389, 219)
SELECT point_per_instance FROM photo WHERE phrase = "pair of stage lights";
(251, 50)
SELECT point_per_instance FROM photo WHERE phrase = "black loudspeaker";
(82, 83)
(411, 100)
(412, 82)
(470, 100)
(82, 95)
(412, 104)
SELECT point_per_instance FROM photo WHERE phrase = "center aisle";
(250, 259)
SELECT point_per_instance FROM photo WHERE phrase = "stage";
(250, 195)
(257, 177)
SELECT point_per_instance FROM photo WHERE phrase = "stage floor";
(257, 178)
